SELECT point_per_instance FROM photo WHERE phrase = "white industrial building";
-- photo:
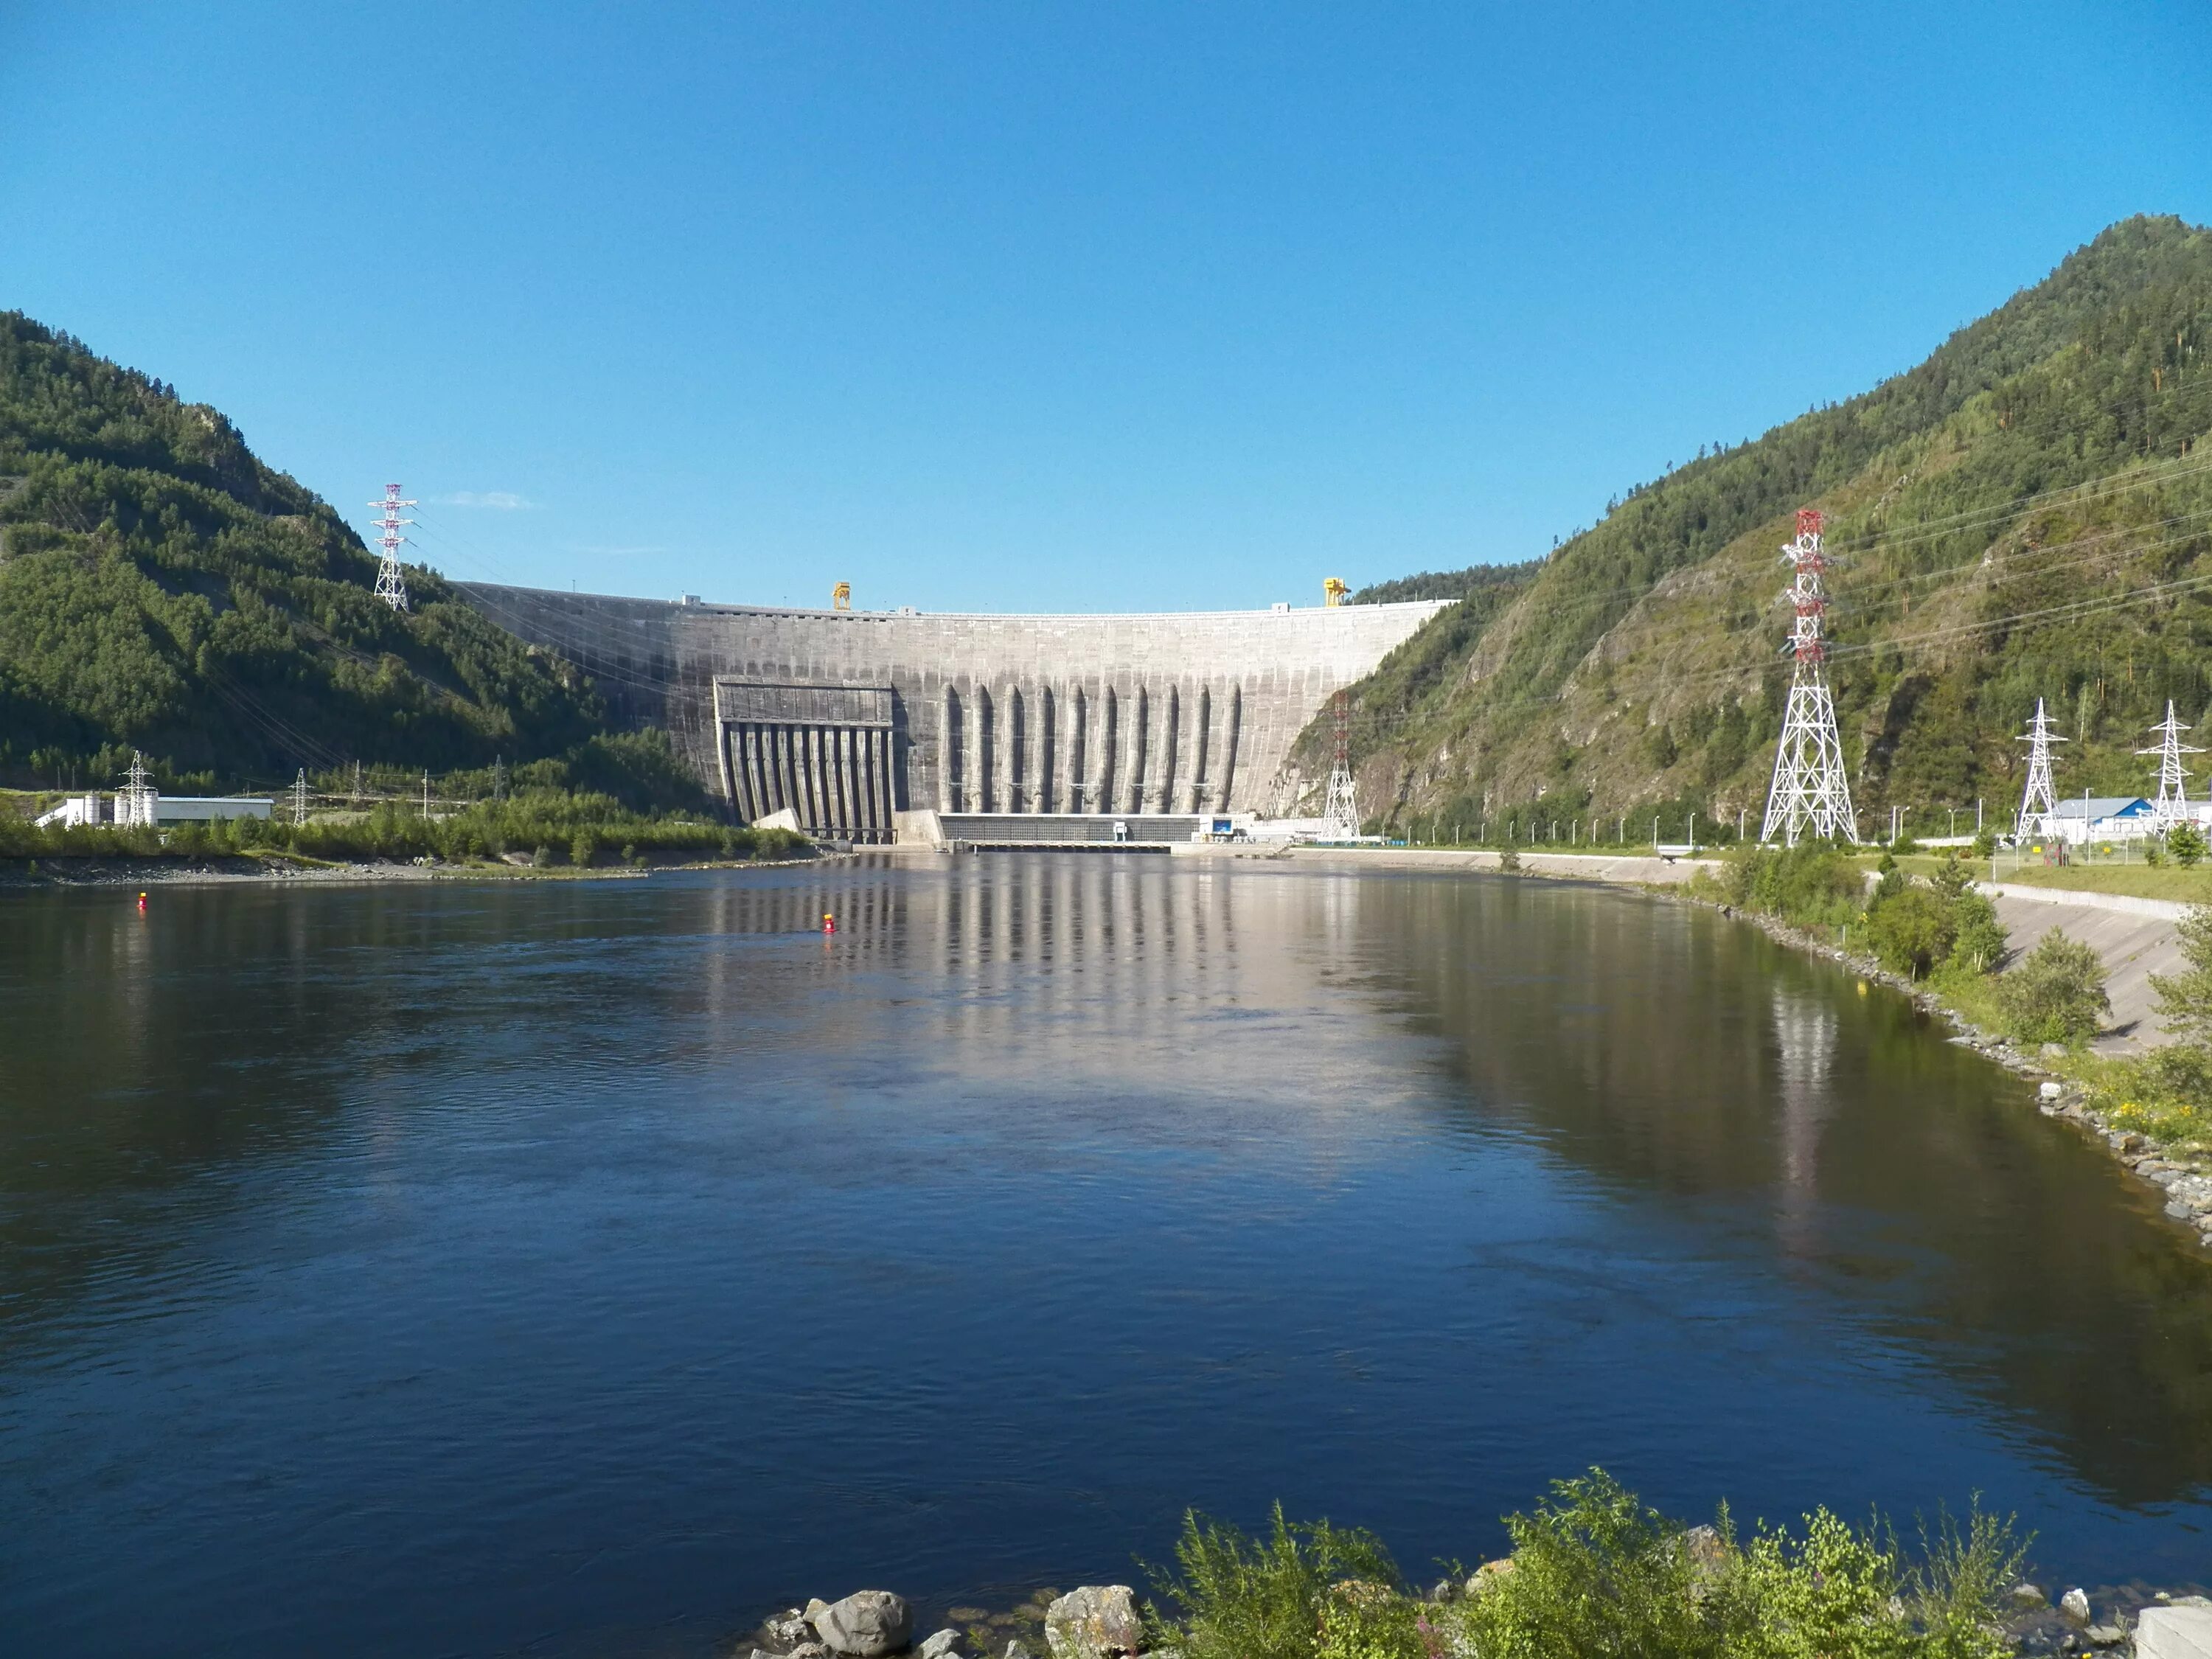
(2103, 818)
(150, 807)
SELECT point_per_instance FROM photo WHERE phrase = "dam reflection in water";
(588, 1267)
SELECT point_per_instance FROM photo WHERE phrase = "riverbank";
(2133, 936)
(1109, 1621)
(249, 869)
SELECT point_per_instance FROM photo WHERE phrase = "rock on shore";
(1098, 1621)
(865, 1625)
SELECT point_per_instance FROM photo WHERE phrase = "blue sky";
(1031, 306)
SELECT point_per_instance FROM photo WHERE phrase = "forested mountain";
(2026, 513)
(162, 589)
(1485, 580)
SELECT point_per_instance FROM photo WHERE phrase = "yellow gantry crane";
(841, 597)
(1333, 592)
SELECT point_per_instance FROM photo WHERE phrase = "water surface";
(584, 1268)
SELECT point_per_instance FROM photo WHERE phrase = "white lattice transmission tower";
(2172, 806)
(1812, 790)
(390, 585)
(138, 802)
(2038, 802)
(1341, 816)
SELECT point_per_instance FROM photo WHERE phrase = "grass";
(2132, 880)
(2193, 886)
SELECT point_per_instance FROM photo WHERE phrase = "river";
(586, 1267)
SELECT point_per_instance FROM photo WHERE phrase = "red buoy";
(829, 922)
(141, 904)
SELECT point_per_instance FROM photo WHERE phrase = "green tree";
(1978, 939)
(1890, 880)
(2184, 999)
(1911, 930)
(2185, 842)
(2056, 993)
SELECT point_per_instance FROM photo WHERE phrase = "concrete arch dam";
(849, 716)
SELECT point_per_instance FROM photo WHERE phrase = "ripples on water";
(584, 1267)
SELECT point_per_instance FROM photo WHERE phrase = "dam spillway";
(848, 717)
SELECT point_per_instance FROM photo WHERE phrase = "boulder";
(865, 1625)
(788, 1629)
(2174, 1632)
(1098, 1621)
(2028, 1596)
(1488, 1574)
(1361, 1593)
(2105, 1636)
(936, 1647)
(1017, 1649)
(1703, 1546)
(2075, 1604)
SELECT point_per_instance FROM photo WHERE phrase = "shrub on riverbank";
(1916, 928)
(1812, 885)
(2056, 993)
(2167, 1093)
(1234, 1597)
(1597, 1571)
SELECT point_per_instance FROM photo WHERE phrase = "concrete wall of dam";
(847, 716)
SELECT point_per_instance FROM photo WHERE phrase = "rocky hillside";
(2026, 513)
(163, 589)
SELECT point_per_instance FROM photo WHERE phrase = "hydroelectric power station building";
(847, 718)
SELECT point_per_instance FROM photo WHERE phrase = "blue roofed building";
(2103, 818)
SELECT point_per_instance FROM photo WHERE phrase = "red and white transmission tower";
(1811, 791)
(390, 585)
(1341, 816)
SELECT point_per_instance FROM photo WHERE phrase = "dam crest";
(847, 718)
